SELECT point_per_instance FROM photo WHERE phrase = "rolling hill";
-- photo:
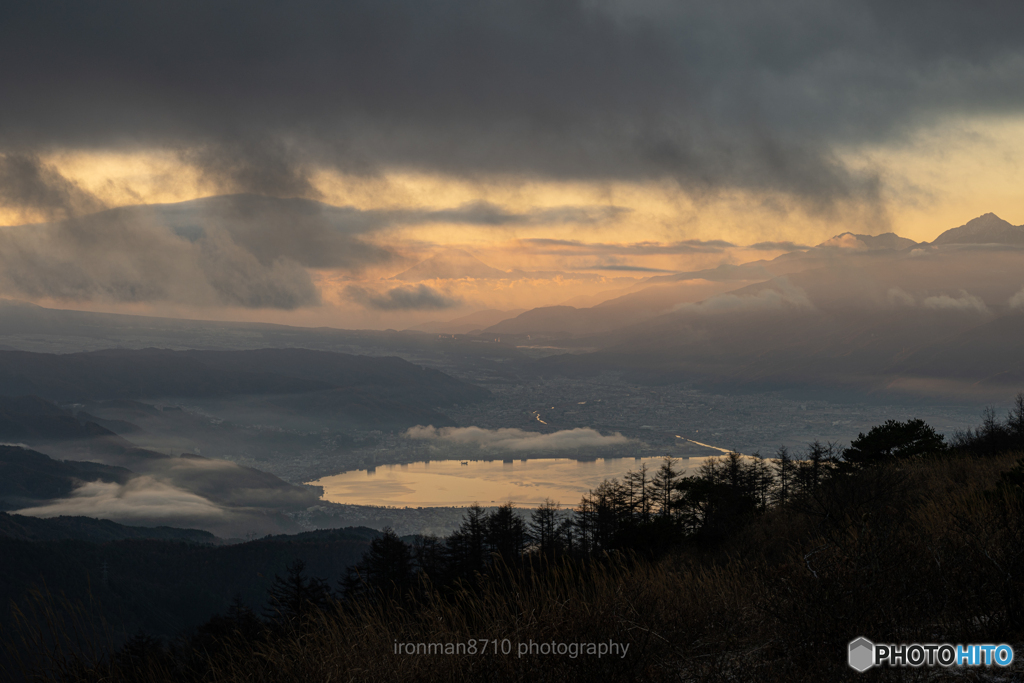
(381, 391)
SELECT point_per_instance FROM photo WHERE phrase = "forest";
(751, 568)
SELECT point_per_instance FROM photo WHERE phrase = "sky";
(581, 145)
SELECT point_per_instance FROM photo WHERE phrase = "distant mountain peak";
(987, 218)
(885, 241)
(985, 229)
(450, 264)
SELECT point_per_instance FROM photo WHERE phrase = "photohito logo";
(862, 654)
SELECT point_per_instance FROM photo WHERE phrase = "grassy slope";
(929, 551)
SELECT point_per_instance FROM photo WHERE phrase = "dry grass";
(927, 551)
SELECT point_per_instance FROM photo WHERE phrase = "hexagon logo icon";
(861, 654)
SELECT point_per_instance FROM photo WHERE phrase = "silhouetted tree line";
(650, 512)
(644, 514)
(994, 436)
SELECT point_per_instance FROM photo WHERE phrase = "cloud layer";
(714, 96)
(28, 183)
(141, 499)
(246, 250)
(768, 107)
(511, 439)
(964, 302)
(781, 295)
(418, 298)
(578, 248)
(1017, 300)
(130, 255)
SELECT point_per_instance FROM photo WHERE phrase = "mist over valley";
(511, 340)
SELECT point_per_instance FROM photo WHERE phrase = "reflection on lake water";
(527, 483)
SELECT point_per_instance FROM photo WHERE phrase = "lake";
(442, 483)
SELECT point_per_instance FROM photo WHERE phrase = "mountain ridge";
(985, 229)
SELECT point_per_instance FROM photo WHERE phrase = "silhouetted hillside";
(90, 471)
(27, 327)
(31, 417)
(927, 322)
(382, 392)
(26, 475)
(123, 374)
(467, 323)
(701, 575)
(562, 319)
(166, 586)
(918, 351)
(385, 376)
(22, 528)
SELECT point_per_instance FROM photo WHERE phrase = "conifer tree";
(895, 440)
(429, 555)
(663, 484)
(466, 545)
(1015, 421)
(639, 484)
(506, 532)
(386, 566)
(784, 474)
(544, 528)
(296, 596)
(763, 482)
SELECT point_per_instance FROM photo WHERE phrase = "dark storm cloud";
(317, 235)
(486, 213)
(630, 269)
(265, 166)
(419, 298)
(577, 248)
(237, 250)
(311, 234)
(243, 251)
(124, 257)
(27, 183)
(778, 246)
(724, 95)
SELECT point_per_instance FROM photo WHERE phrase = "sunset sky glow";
(582, 145)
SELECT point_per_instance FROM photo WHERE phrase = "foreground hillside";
(162, 581)
(750, 570)
(349, 389)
